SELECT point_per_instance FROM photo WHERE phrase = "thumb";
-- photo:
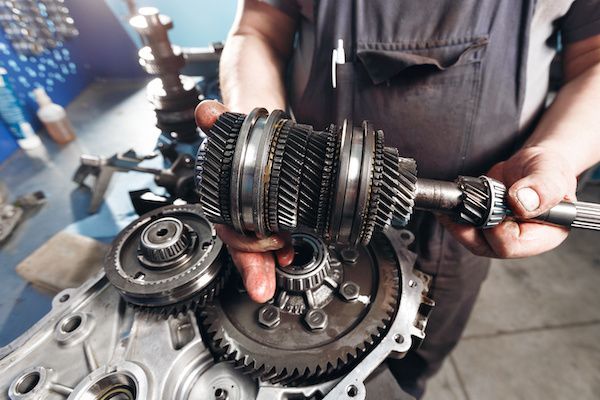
(537, 192)
(207, 113)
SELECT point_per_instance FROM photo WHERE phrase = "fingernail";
(528, 198)
(276, 242)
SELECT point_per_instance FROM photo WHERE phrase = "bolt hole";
(399, 338)
(220, 394)
(206, 245)
(162, 232)
(28, 382)
(71, 324)
(64, 298)
(352, 391)
(406, 236)
(139, 276)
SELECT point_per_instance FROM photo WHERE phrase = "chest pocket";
(425, 95)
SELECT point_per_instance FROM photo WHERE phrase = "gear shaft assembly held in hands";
(265, 173)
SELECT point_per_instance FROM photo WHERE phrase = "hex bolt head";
(316, 319)
(349, 255)
(349, 291)
(269, 316)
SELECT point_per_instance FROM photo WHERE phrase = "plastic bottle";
(54, 118)
(12, 115)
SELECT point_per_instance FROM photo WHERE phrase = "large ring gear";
(337, 313)
(315, 328)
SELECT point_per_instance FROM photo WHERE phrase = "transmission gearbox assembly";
(170, 319)
(265, 173)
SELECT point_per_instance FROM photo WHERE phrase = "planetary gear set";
(264, 173)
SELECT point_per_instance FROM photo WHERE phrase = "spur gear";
(321, 342)
(167, 261)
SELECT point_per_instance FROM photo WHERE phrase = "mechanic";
(458, 85)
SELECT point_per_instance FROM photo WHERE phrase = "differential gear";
(309, 353)
(168, 260)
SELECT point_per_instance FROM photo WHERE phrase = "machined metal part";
(173, 96)
(286, 176)
(93, 345)
(341, 184)
(178, 179)
(168, 260)
(331, 327)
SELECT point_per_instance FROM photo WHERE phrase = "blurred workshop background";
(534, 333)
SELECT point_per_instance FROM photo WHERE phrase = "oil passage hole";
(352, 391)
(71, 324)
(162, 232)
(28, 382)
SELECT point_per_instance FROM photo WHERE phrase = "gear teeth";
(213, 167)
(407, 188)
(475, 200)
(312, 175)
(483, 202)
(272, 182)
(290, 179)
(326, 180)
(369, 219)
(200, 300)
(336, 135)
(261, 365)
(398, 190)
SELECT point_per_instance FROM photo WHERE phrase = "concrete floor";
(535, 330)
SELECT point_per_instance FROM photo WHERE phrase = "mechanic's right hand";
(253, 257)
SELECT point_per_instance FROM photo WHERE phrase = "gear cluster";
(266, 173)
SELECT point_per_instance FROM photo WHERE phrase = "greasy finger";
(258, 273)
(207, 113)
(248, 243)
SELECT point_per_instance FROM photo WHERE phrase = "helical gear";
(483, 203)
(301, 184)
(213, 166)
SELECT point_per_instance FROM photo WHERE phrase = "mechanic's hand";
(254, 258)
(537, 179)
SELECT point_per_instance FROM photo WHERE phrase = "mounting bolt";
(316, 319)
(349, 254)
(349, 291)
(269, 316)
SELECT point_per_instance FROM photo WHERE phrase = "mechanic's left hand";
(537, 179)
